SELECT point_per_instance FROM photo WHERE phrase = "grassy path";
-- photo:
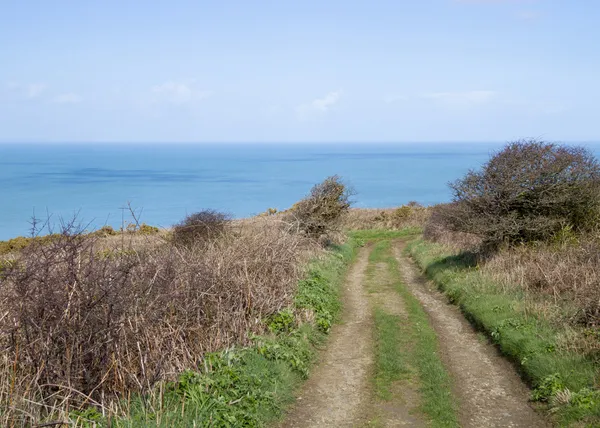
(410, 379)
(490, 391)
(404, 357)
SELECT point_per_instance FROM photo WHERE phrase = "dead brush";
(321, 213)
(568, 273)
(83, 324)
(436, 230)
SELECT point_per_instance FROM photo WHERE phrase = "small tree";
(200, 227)
(321, 211)
(526, 192)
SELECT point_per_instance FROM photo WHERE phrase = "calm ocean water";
(166, 182)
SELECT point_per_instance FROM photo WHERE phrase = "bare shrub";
(527, 192)
(438, 230)
(83, 323)
(201, 227)
(322, 211)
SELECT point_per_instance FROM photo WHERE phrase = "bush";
(527, 192)
(201, 227)
(321, 212)
(146, 229)
(78, 322)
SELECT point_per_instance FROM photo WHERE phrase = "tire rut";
(338, 390)
(490, 392)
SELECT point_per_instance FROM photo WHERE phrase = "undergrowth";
(564, 379)
(249, 386)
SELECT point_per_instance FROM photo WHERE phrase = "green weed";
(378, 234)
(390, 364)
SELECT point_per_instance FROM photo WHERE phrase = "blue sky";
(299, 71)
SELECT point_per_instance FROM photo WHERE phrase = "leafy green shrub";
(403, 212)
(201, 227)
(317, 294)
(321, 212)
(527, 192)
(548, 387)
(21, 242)
(281, 322)
(146, 229)
(106, 231)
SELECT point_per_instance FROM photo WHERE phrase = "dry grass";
(569, 273)
(436, 231)
(560, 278)
(411, 215)
(87, 319)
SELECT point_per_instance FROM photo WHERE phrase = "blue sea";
(165, 182)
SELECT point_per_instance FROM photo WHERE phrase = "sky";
(299, 71)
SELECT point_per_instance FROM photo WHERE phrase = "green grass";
(379, 234)
(417, 346)
(249, 386)
(529, 340)
(390, 357)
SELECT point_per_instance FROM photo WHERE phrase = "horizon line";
(504, 141)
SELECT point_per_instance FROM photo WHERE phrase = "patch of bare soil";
(490, 392)
(338, 390)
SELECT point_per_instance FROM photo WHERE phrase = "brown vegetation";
(527, 192)
(87, 318)
(201, 228)
(320, 214)
(410, 215)
(536, 206)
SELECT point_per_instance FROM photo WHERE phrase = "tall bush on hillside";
(200, 227)
(321, 212)
(527, 192)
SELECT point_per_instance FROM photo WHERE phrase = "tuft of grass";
(524, 336)
(419, 348)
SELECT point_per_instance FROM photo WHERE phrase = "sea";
(163, 183)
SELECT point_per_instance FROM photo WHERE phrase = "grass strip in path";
(417, 343)
(390, 358)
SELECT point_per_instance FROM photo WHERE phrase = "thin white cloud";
(389, 99)
(28, 90)
(178, 92)
(465, 98)
(68, 98)
(319, 105)
(34, 90)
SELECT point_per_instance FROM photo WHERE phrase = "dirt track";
(339, 391)
(489, 391)
(336, 394)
